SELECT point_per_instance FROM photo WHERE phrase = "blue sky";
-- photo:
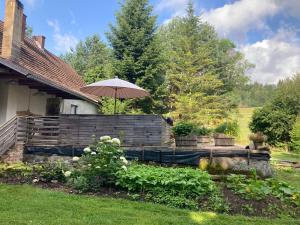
(266, 31)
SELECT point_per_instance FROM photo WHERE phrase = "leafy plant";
(18, 169)
(183, 129)
(201, 131)
(53, 171)
(99, 164)
(253, 188)
(177, 187)
(228, 128)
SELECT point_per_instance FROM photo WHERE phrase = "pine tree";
(91, 59)
(137, 52)
(197, 69)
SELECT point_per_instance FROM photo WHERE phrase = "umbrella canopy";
(115, 88)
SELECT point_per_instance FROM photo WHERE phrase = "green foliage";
(183, 129)
(80, 183)
(91, 58)
(202, 70)
(202, 131)
(53, 171)
(295, 136)
(177, 187)
(29, 31)
(255, 94)
(253, 188)
(137, 52)
(18, 169)
(276, 119)
(275, 124)
(228, 128)
(99, 165)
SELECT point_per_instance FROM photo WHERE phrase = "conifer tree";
(137, 52)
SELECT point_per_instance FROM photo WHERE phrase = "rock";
(236, 165)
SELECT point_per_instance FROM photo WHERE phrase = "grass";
(278, 155)
(244, 118)
(22, 205)
(287, 174)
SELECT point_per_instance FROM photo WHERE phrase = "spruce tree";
(137, 52)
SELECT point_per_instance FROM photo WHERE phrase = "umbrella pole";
(115, 109)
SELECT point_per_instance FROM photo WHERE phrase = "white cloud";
(238, 18)
(275, 58)
(32, 3)
(176, 7)
(63, 41)
(290, 7)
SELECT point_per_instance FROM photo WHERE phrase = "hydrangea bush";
(98, 165)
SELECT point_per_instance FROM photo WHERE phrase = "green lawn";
(289, 175)
(244, 118)
(28, 205)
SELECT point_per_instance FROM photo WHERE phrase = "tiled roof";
(45, 66)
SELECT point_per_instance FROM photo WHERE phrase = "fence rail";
(80, 130)
(8, 135)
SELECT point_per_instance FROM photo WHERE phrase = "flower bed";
(178, 187)
(103, 170)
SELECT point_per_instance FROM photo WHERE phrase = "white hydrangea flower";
(124, 160)
(35, 181)
(105, 138)
(93, 153)
(116, 141)
(75, 159)
(67, 173)
(109, 141)
(87, 150)
(124, 168)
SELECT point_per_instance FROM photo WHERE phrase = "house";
(33, 81)
(39, 95)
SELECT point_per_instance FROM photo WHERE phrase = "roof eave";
(28, 74)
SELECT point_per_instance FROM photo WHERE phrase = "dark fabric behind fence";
(158, 156)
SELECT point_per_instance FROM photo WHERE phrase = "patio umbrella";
(115, 88)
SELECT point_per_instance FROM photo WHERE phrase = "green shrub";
(228, 128)
(253, 188)
(80, 183)
(17, 170)
(177, 187)
(52, 171)
(295, 136)
(183, 129)
(275, 124)
(98, 165)
(202, 131)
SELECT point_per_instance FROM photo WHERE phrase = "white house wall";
(16, 98)
(83, 107)
(3, 101)
(21, 99)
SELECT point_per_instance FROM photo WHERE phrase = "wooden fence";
(8, 135)
(80, 130)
